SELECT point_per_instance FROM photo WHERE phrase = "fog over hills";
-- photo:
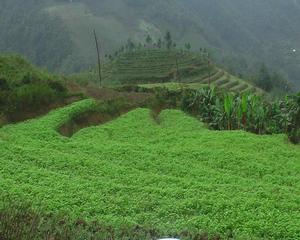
(242, 34)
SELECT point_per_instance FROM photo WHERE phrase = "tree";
(168, 39)
(149, 40)
(280, 83)
(188, 46)
(159, 43)
(264, 79)
(130, 45)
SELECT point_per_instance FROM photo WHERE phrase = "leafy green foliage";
(291, 117)
(175, 176)
(228, 107)
(246, 111)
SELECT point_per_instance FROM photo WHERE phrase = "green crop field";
(174, 176)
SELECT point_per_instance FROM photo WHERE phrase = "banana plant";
(228, 108)
(244, 109)
(253, 104)
(293, 105)
(241, 110)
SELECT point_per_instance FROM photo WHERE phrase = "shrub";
(3, 84)
(33, 97)
(58, 87)
(28, 78)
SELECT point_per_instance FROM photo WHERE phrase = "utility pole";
(209, 72)
(177, 67)
(99, 60)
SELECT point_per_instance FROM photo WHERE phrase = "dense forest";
(28, 30)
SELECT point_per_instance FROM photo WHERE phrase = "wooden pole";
(209, 72)
(177, 67)
(99, 60)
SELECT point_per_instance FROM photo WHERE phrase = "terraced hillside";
(175, 176)
(156, 68)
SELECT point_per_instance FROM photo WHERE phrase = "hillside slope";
(27, 91)
(14, 68)
(169, 68)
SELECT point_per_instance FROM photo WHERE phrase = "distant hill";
(165, 68)
(241, 34)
